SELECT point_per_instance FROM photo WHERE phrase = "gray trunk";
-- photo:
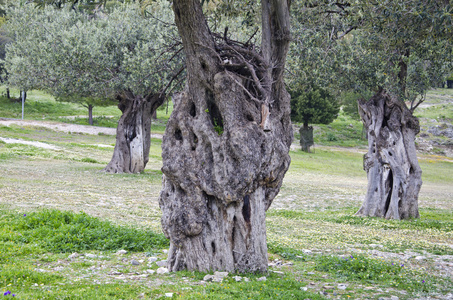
(133, 134)
(394, 175)
(90, 114)
(306, 138)
(225, 150)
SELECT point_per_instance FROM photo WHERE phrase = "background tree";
(398, 50)
(312, 106)
(225, 150)
(121, 55)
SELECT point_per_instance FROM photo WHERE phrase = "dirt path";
(65, 127)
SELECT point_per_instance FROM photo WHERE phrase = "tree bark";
(90, 114)
(394, 175)
(133, 134)
(225, 149)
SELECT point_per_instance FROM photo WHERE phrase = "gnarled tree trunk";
(133, 134)
(394, 176)
(225, 149)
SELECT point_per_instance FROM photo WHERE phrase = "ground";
(310, 223)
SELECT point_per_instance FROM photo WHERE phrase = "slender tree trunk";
(225, 149)
(90, 114)
(133, 134)
(8, 95)
(394, 175)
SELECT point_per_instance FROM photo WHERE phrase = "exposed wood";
(394, 175)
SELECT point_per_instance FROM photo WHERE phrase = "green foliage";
(349, 104)
(91, 59)
(315, 106)
(58, 231)
(403, 47)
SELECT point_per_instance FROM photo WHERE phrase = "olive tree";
(225, 149)
(119, 56)
(398, 50)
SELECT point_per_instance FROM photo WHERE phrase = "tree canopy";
(94, 57)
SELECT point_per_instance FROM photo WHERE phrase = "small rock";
(135, 263)
(89, 255)
(310, 273)
(306, 251)
(162, 270)
(394, 298)
(41, 270)
(299, 256)
(237, 278)
(420, 257)
(152, 259)
(246, 279)
(59, 268)
(278, 272)
(289, 264)
(261, 278)
(342, 286)
(150, 271)
(304, 288)
(121, 252)
(169, 295)
(165, 251)
(208, 277)
(116, 273)
(141, 261)
(162, 263)
(220, 274)
(312, 283)
(73, 255)
(328, 287)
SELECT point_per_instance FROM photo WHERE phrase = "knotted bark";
(394, 175)
(225, 149)
(133, 133)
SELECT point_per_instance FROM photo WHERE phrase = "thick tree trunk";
(394, 175)
(225, 149)
(90, 114)
(133, 134)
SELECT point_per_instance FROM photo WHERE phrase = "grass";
(71, 206)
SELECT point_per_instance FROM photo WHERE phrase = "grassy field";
(54, 202)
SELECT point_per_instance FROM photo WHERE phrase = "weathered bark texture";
(394, 175)
(133, 134)
(225, 149)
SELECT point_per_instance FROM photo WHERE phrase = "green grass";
(430, 219)
(315, 211)
(61, 232)
(37, 238)
(363, 269)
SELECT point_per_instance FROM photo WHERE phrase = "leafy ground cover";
(56, 201)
